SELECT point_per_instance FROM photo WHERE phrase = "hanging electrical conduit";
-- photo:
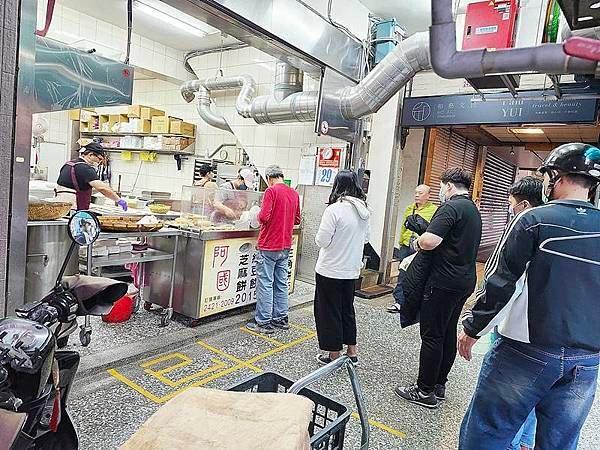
(290, 104)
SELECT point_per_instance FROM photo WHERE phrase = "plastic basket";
(328, 425)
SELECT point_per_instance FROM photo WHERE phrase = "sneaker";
(440, 392)
(258, 328)
(414, 395)
(323, 359)
(282, 324)
(393, 308)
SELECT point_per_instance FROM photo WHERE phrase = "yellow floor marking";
(297, 326)
(382, 426)
(160, 359)
(240, 364)
(262, 336)
(281, 348)
(123, 379)
(217, 365)
(220, 352)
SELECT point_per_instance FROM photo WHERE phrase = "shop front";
(497, 139)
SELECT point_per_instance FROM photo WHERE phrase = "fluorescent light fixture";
(527, 131)
(585, 18)
(595, 5)
(181, 20)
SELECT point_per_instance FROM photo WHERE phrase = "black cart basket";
(328, 425)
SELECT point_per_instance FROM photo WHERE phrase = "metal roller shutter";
(450, 150)
(498, 175)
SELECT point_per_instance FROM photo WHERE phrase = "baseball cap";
(247, 175)
(93, 147)
(273, 171)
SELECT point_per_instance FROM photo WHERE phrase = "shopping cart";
(328, 425)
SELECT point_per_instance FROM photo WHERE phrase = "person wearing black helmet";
(541, 289)
(79, 177)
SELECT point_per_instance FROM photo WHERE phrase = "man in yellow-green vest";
(421, 207)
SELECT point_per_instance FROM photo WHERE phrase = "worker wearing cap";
(79, 177)
(228, 205)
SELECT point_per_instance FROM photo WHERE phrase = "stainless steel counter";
(47, 245)
(215, 271)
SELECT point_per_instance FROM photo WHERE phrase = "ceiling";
(115, 13)
(414, 15)
(552, 134)
(557, 134)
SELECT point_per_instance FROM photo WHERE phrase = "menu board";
(229, 274)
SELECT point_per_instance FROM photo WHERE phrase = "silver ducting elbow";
(189, 89)
(288, 81)
(298, 107)
(389, 76)
(243, 103)
(207, 115)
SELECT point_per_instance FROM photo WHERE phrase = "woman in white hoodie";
(343, 232)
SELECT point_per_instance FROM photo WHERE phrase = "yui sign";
(534, 107)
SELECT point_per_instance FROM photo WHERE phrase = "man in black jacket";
(451, 240)
(542, 288)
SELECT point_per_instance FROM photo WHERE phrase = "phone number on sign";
(241, 298)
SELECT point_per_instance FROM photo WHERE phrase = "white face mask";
(442, 194)
(511, 213)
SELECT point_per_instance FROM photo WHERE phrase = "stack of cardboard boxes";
(164, 132)
(139, 119)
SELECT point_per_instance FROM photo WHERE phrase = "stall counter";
(216, 272)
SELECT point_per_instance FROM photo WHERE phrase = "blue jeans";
(272, 286)
(515, 378)
(398, 293)
(526, 434)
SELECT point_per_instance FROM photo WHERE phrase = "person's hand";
(123, 204)
(414, 244)
(465, 345)
(230, 214)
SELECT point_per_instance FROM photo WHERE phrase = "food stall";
(216, 256)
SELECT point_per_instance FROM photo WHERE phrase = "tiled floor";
(109, 406)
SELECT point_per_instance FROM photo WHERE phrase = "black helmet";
(574, 158)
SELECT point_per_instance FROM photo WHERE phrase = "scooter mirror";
(84, 228)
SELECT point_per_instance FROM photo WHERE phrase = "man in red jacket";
(279, 212)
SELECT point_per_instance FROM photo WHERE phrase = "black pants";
(334, 313)
(440, 312)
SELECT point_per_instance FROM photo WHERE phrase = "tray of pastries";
(126, 224)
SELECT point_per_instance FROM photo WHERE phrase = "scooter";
(35, 377)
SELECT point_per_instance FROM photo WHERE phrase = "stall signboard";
(328, 165)
(229, 274)
(529, 107)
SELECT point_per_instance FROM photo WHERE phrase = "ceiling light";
(527, 130)
(595, 5)
(177, 22)
(585, 19)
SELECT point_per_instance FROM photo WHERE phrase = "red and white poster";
(328, 165)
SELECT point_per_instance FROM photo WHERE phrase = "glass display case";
(209, 209)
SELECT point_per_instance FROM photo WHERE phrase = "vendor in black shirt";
(78, 178)
(451, 242)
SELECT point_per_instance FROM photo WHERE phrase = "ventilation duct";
(204, 111)
(289, 104)
(387, 78)
(447, 62)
